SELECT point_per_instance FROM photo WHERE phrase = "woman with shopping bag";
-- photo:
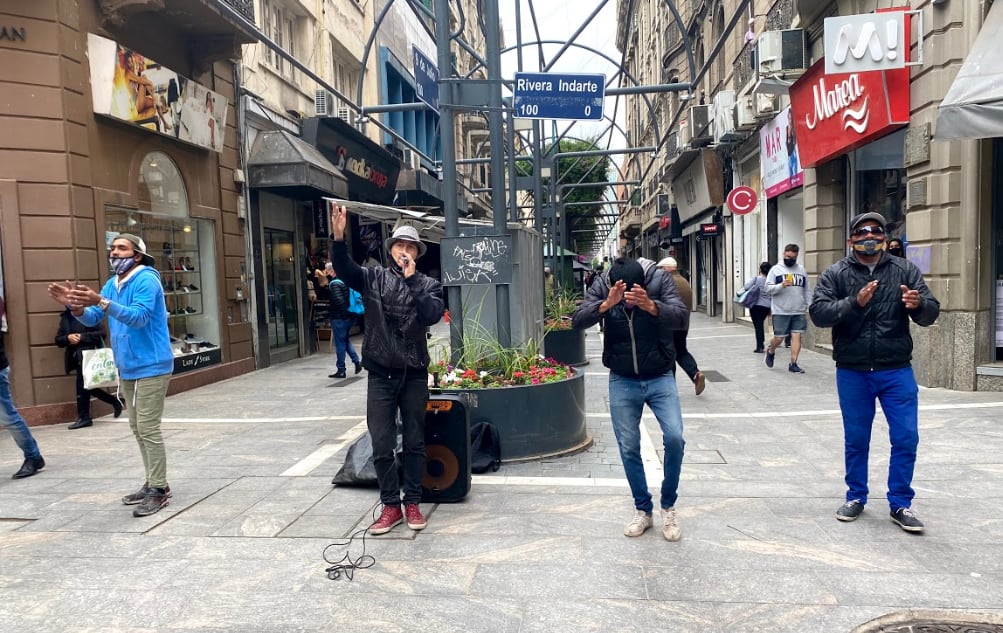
(75, 337)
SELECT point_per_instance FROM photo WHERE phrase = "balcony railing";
(743, 70)
(243, 7)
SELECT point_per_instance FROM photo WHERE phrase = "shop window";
(879, 179)
(161, 188)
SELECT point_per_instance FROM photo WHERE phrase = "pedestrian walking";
(133, 302)
(790, 293)
(640, 311)
(761, 309)
(75, 337)
(868, 299)
(683, 356)
(11, 419)
(341, 324)
(401, 303)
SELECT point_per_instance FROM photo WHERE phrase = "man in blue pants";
(868, 299)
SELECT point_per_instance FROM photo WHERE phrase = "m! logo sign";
(861, 43)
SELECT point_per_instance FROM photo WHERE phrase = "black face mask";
(896, 251)
(790, 261)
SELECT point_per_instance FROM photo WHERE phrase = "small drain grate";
(713, 376)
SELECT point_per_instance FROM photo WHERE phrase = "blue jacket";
(137, 321)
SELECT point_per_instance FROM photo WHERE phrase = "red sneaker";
(390, 518)
(415, 519)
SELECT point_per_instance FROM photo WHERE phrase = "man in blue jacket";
(133, 301)
(640, 310)
(868, 299)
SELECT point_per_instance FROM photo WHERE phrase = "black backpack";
(485, 448)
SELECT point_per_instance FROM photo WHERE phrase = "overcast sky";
(558, 20)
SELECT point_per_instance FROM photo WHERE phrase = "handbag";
(98, 368)
(741, 297)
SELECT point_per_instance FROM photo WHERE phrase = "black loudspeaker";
(447, 450)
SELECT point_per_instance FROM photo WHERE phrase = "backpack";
(751, 297)
(355, 302)
(485, 448)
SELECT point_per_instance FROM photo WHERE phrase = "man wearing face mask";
(133, 301)
(790, 293)
(401, 303)
(868, 299)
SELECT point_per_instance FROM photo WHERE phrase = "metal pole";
(538, 181)
(447, 136)
(492, 46)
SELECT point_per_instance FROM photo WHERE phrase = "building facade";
(121, 117)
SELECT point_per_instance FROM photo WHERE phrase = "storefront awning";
(973, 107)
(282, 162)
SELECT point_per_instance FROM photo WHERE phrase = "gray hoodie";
(793, 299)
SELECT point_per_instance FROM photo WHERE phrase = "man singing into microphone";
(401, 303)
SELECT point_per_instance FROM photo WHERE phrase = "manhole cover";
(713, 376)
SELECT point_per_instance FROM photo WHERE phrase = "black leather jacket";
(875, 337)
(637, 344)
(398, 313)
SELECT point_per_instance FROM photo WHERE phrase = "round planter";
(533, 421)
(566, 346)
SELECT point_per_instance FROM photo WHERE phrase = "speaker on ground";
(447, 450)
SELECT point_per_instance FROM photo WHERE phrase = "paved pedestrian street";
(536, 546)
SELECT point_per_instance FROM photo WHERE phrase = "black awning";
(284, 163)
(973, 107)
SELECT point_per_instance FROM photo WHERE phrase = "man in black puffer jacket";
(868, 299)
(401, 303)
(640, 310)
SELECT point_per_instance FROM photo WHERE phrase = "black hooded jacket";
(876, 336)
(636, 343)
(399, 312)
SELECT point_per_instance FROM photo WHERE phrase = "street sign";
(426, 78)
(742, 200)
(553, 96)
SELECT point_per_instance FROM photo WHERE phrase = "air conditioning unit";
(700, 119)
(724, 118)
(767, 106)
(411, 159)
(783, 53)
(347, 115)
(684, 135)
(323, 103)
(745, 114)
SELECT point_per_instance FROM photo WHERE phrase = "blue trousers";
(342, 343)
(10, 419)
(898, 394)
(627, 397)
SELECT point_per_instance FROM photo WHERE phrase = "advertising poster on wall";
(130, 87)
(778, 150)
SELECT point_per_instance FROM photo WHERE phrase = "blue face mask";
(121, 265)
(869, 246)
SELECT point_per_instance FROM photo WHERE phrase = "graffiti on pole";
(476, 260)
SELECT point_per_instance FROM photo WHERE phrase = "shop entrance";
(282, 307)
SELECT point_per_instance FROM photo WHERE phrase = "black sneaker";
(30, 467)
(358, 367)
(794, 369)
(338, 374)
(769, 358)
(156, 499)
(140, 495)
(907, 520)
(850, 510)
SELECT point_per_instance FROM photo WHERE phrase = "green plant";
(558, 308)
(484, 364)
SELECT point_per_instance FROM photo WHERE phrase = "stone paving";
(537, 546)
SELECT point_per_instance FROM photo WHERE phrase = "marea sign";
(552, 96)
(860, 43)
(426, 78)
(834, 114)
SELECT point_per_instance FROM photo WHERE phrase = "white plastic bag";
(98, 367)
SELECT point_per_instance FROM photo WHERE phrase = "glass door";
(280, 273)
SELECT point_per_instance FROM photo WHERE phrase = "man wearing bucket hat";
(868, 299)
(401, 303)
(133, 301)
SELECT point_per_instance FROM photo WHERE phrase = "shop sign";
(700, 186)
(370, 170)
(710, 230)
(321, 219)
(778, 155)
(130, 87)
(742, 200)
(861, 43)
(13, 34)
(191, 362)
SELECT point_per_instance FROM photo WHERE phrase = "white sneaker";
(639, 524)
(670, 526)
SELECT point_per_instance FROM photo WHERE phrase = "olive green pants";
(145, 400)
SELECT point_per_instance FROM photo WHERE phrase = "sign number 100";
(533, 109)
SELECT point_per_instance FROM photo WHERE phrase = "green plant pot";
(566, 346)
(533, 421)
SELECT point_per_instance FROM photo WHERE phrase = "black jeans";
(759, 314)
(683, 357)
(84, 397)
(384, 396)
